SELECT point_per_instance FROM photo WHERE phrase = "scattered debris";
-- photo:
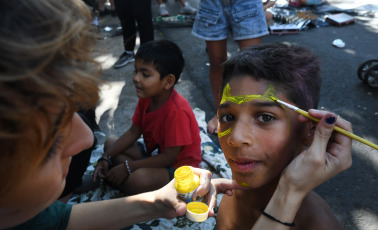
(338, 43)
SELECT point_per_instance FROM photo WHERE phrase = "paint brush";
(336, 128)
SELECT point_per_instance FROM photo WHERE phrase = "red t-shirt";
(173, 124)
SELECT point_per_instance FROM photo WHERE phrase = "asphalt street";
(353, 194)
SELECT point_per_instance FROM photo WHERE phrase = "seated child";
(260, 138)
(164, 118)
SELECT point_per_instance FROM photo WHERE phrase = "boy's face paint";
(257, 135)
(240, 99)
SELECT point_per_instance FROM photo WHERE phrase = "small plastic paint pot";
(197, 211)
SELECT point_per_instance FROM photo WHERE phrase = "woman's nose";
(80, 137)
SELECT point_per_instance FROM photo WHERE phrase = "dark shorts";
(142, 149)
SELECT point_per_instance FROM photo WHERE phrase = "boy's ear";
(169, 81)
(310, 133)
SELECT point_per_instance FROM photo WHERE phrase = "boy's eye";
(265, 118)
(226, 118)
(143, 73)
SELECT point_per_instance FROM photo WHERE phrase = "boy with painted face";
(166, 120)
(260, 138)
(45, 77)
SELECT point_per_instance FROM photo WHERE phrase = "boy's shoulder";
(180, 102)
(315, 213)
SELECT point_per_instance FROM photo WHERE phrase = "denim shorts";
(142, 149)
(242, 19)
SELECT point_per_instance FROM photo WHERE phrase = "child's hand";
(212, 187)
(101, 170)
(220, 185)
(328, 155)
(117, 175)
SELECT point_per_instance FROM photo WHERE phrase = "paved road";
(353, 195)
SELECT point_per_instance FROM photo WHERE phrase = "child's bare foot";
(212, 126)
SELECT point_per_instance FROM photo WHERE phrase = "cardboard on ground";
(340, 19)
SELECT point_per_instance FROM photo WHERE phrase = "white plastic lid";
(197, 211)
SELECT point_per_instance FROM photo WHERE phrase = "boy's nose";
(80, 137)
(136, 78)
(241, 134)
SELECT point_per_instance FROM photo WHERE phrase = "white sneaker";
(163, 10)
(188, 9)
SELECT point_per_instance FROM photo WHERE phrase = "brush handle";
(340, 130)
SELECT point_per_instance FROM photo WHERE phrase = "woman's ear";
(169, 81)
(310, 133)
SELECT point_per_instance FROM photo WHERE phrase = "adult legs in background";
(104, 11)
(217, 51)
(130, 13)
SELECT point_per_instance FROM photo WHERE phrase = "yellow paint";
(244, 184)
(224, 133)
(197, 210)
(197, 207)
(186, 182)
(240, 99)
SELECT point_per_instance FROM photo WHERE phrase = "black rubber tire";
(364, 67)
(371, 76)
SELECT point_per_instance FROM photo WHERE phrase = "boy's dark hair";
(292, 69)
(165, 55)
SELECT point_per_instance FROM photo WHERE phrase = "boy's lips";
(244, 165)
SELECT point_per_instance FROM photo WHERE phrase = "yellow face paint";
(240, 99)
(244, 184)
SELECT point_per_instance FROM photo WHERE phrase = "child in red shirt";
(164, 118)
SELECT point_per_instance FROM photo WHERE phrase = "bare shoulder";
(224, 211)
(315, 213)
(232, 214)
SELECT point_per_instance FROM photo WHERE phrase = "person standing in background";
(135, 16)
(186, 8)
(213, 23)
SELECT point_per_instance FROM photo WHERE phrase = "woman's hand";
(328, 155)
(168, 202)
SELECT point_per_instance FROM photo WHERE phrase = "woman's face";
(42, 187)
(258, 137)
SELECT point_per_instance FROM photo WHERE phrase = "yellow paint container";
(186, 183)
(197, 211)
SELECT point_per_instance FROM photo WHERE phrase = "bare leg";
(217, 51)
(132, 153)
(112, 4)
(101, 6)
(145, 180)
(268, 14)
(249, 42)
(140, 180)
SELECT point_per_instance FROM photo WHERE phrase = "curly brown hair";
(45, 63)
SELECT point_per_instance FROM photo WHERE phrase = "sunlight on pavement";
(106, 61)
(364, 216)
(110, 93)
